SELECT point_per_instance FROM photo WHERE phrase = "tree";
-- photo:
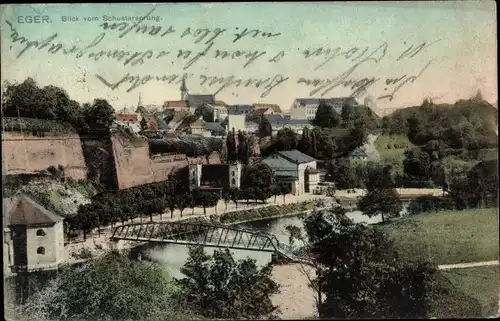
(417, 164)
(286, 139)
(244, 152)
(96, 291)
(218, 287)
(171, 202)
(383, 201)
(345, 175)
(232, 155)
(347, 116)
(261, 179)
(226, 196)
(100, 115)
(234, 195)
(182, 201)
(265, 129)
(305, 144)
(358, 272)
(326, 117)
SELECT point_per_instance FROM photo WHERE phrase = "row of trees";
(350, 117)
(190, 145)
(239, 147)
(28, 100)
(258, 183)
(320, 143)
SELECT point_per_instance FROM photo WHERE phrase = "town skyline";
(461, 58)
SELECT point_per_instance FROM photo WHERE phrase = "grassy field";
(447, 237)
(481, 283)
(391, 146)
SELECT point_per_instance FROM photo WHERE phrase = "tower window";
(40, 233)
(40, 250)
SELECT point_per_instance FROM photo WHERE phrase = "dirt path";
(466, 265)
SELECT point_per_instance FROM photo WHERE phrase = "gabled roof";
(275, 107)
(339, 101)
(281, 167)
(239, 109)
(296, 157)
(176, 103)
(22, 210)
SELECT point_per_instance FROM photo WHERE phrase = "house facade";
(223, 176)
(296, 168)
(33, 236)
(131, 120)
(306, 108)
(277, 123)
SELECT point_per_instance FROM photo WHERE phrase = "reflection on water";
(175, 255)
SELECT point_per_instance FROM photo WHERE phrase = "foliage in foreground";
(360, 275)
(109, 288)
(219, 287)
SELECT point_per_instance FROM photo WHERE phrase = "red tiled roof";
(126, 117)
(175, 103)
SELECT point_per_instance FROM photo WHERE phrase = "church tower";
(139, 101)
(184, 90)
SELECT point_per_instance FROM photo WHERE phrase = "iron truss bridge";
(202, 234)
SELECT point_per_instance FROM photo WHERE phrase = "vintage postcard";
(298, 160)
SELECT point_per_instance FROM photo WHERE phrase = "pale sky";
(461, 59)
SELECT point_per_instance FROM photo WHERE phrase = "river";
(174, 255)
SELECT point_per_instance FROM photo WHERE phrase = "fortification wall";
(28, 154)
(134, 165)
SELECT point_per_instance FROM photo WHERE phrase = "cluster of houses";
(207, 116)
(33, 236)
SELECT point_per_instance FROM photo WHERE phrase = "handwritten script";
(203, 46)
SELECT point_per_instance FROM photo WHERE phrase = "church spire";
(139, 101)
(184, 90)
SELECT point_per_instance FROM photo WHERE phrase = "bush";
(428, 203)
(264, 212)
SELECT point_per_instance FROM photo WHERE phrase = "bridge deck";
(201, 234)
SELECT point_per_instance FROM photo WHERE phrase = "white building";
(33, 236)
(295, 167)
(236, 122)
(305, 108)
